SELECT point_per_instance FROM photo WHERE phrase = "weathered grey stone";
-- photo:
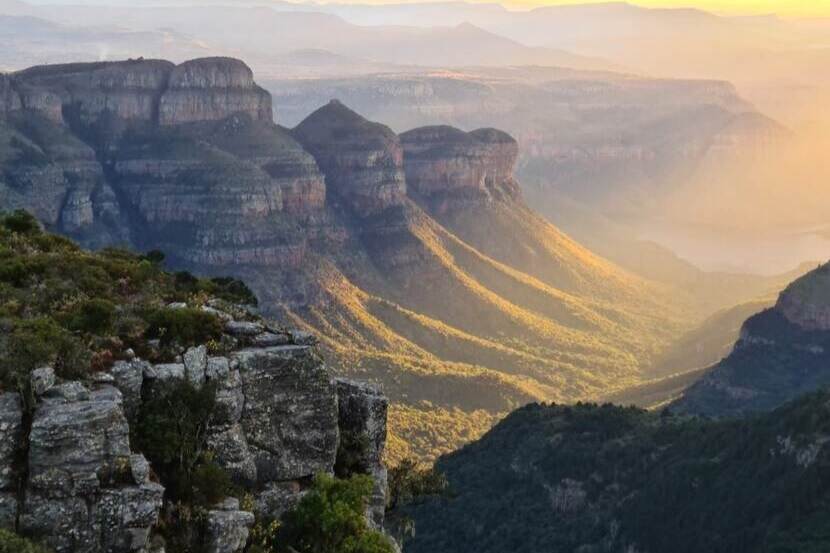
(169, 371)
(78, 496)
(243, 328)
(362, 418)
(66, 392)
(230, 447)
(229, 399)
(218, 313)
(177, 305)
(8, 510)
(103, 378)
(42, 379)
(302, 337)
(217, 368)
(129, 378)
(227, 530)
(290, 411)
(140, 469)
(279, 497)
(195, 363)
(269, 339)
(11, 434)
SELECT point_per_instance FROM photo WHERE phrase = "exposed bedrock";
(362, 160)
(447, 167)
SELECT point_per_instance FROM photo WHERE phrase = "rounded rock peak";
(336, 122)
(436, 133)
(493, 136)
(216, 72)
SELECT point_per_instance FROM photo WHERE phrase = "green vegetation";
(12, 543)
(607, 478)
(329, 519)
(78, 311)
(171, 430)
(781, 362)
(409, 481)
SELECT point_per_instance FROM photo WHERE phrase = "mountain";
(615, 479)
(413, 257)
(258, 33)
(781, 353)
(600, 153)
(32, 40)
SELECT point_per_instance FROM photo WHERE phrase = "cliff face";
(806, 302)
(279, 419)
(211, 89)
(363, 161)
(449, 168)
(782, 352)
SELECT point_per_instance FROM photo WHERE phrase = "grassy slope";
(465, 336)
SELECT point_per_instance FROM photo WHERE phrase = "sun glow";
(788, 8)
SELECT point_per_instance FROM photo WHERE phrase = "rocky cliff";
(782, 352)
(69, 476)
(362, 160)
(446, 166)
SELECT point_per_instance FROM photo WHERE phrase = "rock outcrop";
(362, 412)
(210, 89)
(449, 168)
(362, 160)
(86, 491)
(806, 302)
(279, 419)
(782, 352)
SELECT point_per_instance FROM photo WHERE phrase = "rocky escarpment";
(185, 158)
(362, 160)
(448, 168)
(210, 89)
(806, 302)
(782, 352)
(68, 474)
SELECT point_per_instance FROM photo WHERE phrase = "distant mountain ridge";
(782, 353)
(414, 258)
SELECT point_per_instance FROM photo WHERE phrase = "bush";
(171, 431)
(408, 481)
(12, 543)
(94, 316)
(185, 327)
(21, 222)
(36, 342)
(331, 518)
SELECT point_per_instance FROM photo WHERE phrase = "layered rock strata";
(362, 160)
(449, 168)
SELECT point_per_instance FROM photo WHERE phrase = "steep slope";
(414, 258)
(614, 479)
(782, 352)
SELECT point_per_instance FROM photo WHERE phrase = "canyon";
(413, 257)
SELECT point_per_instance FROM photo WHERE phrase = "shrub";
(408, 482)
(12, 543)
(94, 316)
(186, 326)
(331, 518)
(41, 341)
(233, 290)
(21, 222)
(171, 431)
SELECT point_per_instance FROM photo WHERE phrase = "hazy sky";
(782, 7)
(808, 8)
